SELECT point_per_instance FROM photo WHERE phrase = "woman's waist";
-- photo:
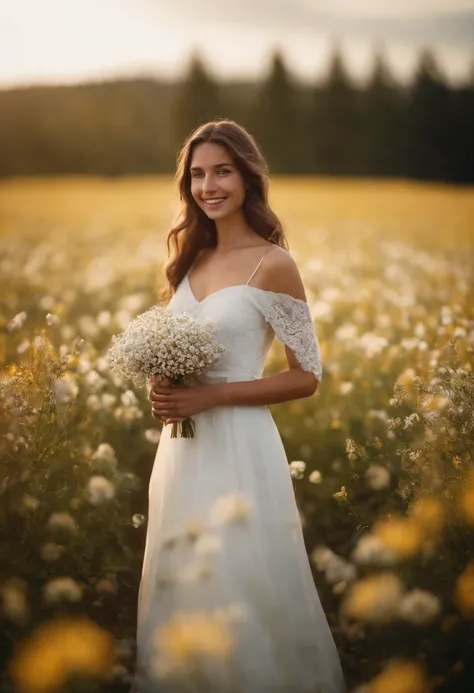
(227, 377)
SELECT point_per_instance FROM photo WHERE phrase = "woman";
(227, 600)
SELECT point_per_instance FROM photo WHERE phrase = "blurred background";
(326, 87)
(365, 114)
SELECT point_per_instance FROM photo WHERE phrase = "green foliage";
(333, 126)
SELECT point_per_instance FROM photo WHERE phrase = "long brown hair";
(193, 230)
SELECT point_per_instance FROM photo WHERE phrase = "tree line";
(422, 129)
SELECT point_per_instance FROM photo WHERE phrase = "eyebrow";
(198, 168)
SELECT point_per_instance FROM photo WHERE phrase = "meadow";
(381, 456)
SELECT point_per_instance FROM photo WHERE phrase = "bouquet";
(162, 344)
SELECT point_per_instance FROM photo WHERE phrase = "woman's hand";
(172, 404)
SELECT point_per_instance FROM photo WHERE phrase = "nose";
(208, 186)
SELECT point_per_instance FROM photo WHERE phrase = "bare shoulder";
(281, 274)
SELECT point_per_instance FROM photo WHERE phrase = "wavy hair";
(193, 230)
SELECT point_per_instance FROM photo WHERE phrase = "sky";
(73, 41)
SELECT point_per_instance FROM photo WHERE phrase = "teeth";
(215, 200)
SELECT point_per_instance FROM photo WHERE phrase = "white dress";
(224, 539)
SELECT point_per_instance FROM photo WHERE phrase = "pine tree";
(383, 140)
(335, 123)
(275, 118)
(198, 101)
(430, 123)
(463, 131)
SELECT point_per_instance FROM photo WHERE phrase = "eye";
(222, 170)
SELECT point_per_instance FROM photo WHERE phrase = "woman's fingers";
(154, 381)
(159, 397)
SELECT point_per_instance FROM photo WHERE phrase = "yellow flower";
(58, 649)
(400, 676)
(374, 599)
(466, 499)
(341, 495)
(189, 637)
(428, 513)
(402, 536)
(464, 591)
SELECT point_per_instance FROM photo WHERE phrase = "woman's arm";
(271, 389)
(172, 404)
(279, 274)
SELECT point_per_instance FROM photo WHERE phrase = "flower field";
(381, 456)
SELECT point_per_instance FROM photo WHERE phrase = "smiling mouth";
(215, 201)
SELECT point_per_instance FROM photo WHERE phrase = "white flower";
(105, 453)
(107, 585)
(14, 603)
(322, 311)
(419, 607)
(99, 489)
(17, 322)
(107, 400)
(39, 341)
(128, 399)
(336, 568)
(153, 435)
(52, 319)
(315, 477)
(346, 387)
(94, 381)
(230, 509)
(51, 552)
(65, 389)
(370, 550)
(84, 365)
(372, 344)
(133, 302)
(297, 469)
(104, 319)
(101, 364)
(47, 302)
(346, 332)
(339, 570)
(377, 477)
(93, 403)
(29, 503)
(62, 589)
(128, 414)
(62, 520)
(321, 556)
(411, 420)
(88, 326)
(103, 402)
(23, 346)
(137, 520)
(162, 344)
(379, 414)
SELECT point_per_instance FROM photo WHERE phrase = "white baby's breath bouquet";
(162, 344)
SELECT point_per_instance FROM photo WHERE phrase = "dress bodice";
(247, 319)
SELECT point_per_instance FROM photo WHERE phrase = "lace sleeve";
(293, 325)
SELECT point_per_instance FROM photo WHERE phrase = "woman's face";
(213, 177)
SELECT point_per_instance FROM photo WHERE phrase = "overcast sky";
(66, 41)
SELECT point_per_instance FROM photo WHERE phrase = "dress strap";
(255, 270)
